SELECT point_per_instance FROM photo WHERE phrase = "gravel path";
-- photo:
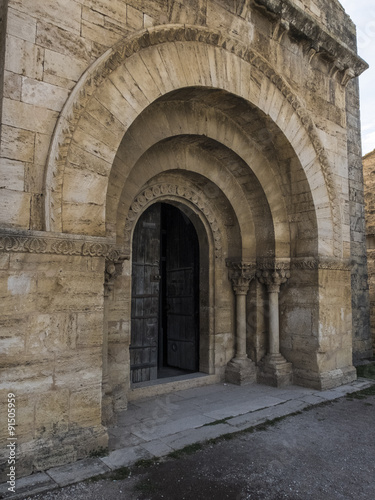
(325, 453)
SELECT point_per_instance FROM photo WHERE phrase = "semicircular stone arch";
(139, 71)
(214, 135)
(220, 195)
(160, 192)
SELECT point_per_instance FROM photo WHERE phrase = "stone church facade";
(181, 193)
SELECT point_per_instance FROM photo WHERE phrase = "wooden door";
(182, 290)
(145, 296)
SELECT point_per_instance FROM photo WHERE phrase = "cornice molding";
(318, 41)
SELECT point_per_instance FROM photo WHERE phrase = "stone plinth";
(274, 370)
(241, 372)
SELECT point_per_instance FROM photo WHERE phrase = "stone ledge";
(300, 25)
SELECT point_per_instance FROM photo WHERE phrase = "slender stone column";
(274, 329)
(241, 370)
(110, 273)
(275, 370)
(112, 270)
(241, 287)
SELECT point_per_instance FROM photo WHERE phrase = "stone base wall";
(51, 345)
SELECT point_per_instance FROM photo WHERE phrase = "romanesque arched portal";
(228, 121)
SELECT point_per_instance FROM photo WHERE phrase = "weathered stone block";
(12, 174)
(54, 10)
(17, 144)
(89, 329)
(134, 18)
(78, 369)
(85, 407)
(24, 58)
(43, 94)
(60, 41)
(15, 208)
(12, 85)
(51, 413)
(21, 25)
(30, 117)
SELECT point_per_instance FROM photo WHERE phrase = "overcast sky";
(362, 13)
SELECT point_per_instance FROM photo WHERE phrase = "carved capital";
(241, 273)
(273, 278)
(240, 285)
(113, 269)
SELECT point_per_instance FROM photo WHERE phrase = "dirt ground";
(324, 453)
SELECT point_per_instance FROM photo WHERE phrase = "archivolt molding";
(116, 56)
(59, 245)
(152, 193)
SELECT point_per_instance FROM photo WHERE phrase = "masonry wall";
(369, 178)
(51, 336)
(360, 296)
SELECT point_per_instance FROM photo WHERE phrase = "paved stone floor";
(156, 426)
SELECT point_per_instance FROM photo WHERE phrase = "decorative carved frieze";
(58, 244)
(272, 263)
(311, 263)
(196, 197)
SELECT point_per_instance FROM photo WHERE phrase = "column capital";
(273, 278)
(241, 273)
(240, 284)
(113, 269)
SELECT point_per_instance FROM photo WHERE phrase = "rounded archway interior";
(228, 150)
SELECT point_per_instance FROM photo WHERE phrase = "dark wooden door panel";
(165, 293)
(145, 297)
(182, 261)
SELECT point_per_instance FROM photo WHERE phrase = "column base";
(241, 371)
(274, 370)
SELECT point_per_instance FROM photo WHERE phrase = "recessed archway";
(117, 99)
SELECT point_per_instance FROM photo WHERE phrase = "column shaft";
(274, 331)
(105, 386)
(241, 326)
